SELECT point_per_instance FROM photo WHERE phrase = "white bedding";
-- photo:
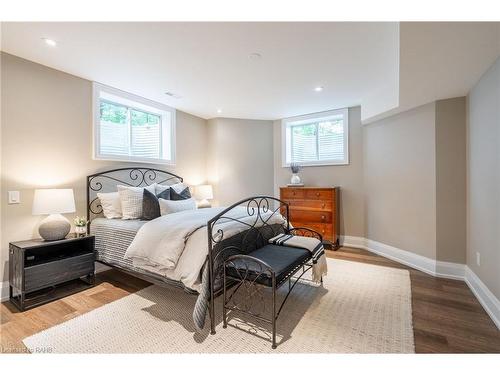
(176, 245)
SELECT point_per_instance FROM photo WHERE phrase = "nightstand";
(42, 271)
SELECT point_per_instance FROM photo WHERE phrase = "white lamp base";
(54, 227)
(204, 203)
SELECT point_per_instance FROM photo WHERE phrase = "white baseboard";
(434, 268)
(449, 270)
(487, 299)
(4, 291)
(407, 258)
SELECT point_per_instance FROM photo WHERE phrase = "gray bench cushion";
(282, 259)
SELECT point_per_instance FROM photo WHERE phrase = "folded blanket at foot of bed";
(311, 244)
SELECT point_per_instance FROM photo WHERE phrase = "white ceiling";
(208, 64)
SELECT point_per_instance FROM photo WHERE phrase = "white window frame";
(132, 101)
(320, 116)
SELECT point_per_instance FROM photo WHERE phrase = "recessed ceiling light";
(219, 110)
(50, 42)
(255, 56)
(318, 88)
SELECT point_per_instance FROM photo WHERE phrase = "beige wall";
(240, 158)
(47, 142)
(405, 183)
(348, 177)
(395, 189)
(400, 181)
(450, 180)
(483, 178)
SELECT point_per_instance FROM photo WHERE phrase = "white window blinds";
(131, 130)
(316, 139)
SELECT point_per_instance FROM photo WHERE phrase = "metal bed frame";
(220, 248)
(136, 177)
(257, 235)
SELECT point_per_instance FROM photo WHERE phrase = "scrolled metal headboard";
(106, 181)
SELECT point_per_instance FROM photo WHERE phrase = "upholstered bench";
(283, 260)
(269, 266)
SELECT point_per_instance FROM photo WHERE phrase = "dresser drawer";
(292, 193)
(326, 230)
(310, 216)
(323, 194)
(52, 273)
(313, 205)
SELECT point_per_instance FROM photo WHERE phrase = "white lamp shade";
(53, 201)
(202, 192)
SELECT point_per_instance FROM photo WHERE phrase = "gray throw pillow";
(151, 205)
(175, 196)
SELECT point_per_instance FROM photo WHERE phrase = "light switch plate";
(14, 197)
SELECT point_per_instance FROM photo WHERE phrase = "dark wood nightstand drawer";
(43, 271)
(56, 272)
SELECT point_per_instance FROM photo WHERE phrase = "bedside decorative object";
(295, 180)
(203, 193)
(80, 226)
(41, 271)
(53, 202)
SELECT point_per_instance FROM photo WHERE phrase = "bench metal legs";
(248, 280)
(274, 317)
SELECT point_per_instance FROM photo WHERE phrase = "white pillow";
(169, 207)
(131, 200)
(111, 205)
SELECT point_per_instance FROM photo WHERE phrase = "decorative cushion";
(131, 200)
(177, 196)
(170, 206)
(151, 205)
(282, 259)
(160, 188)
(177, 187)
(111, 205)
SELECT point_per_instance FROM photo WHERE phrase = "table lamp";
(53, 202)
(203, 193)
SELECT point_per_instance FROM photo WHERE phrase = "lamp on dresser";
(53, 202)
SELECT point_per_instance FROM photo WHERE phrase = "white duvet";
(176, 245)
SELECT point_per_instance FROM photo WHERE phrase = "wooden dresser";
(315, 208)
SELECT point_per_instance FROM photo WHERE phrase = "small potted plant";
(295, 180)
(80, 225)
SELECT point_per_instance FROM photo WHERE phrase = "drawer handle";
(323, 205)
(317, 194)
(323, 217)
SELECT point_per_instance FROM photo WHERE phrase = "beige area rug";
(361, 308)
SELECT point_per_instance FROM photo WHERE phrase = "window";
(131, 128)
(317, 139)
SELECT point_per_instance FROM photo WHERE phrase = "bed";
(238, 229)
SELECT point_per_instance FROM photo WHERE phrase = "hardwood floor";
(447, 318)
